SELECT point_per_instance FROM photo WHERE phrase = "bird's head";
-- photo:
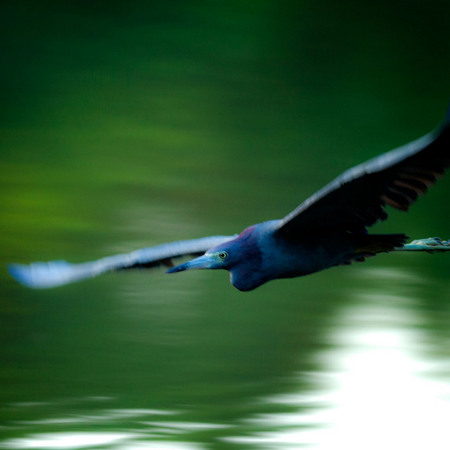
(220, 257)
(240, 256)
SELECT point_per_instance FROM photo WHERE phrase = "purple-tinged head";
(240, 256)
(212, 259)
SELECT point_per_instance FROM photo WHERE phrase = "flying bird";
(327, 229)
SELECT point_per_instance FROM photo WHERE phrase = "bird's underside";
(346, 206)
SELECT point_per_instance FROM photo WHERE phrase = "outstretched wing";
(56, 273)
(357, 198)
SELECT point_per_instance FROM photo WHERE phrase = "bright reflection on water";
(377, 388)
(148, 435)
(83, 440)
(66, 440)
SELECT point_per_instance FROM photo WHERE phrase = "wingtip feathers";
(40, 275)
(21, 273)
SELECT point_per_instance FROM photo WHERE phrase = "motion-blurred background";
(128, 124)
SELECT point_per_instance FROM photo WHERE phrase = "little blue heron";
(327, 229)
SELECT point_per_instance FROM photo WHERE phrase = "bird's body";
(260, 254)
(327, 229)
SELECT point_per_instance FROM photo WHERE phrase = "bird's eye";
(223, 255)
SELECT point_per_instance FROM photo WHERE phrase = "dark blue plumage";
(327, 229)
(260, 254)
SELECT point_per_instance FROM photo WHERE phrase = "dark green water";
(125, 126)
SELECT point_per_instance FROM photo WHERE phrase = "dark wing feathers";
(357, 199)
(57, 273)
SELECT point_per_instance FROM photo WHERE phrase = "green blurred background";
(128, 124)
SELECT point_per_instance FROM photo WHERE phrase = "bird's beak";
(202, 262)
